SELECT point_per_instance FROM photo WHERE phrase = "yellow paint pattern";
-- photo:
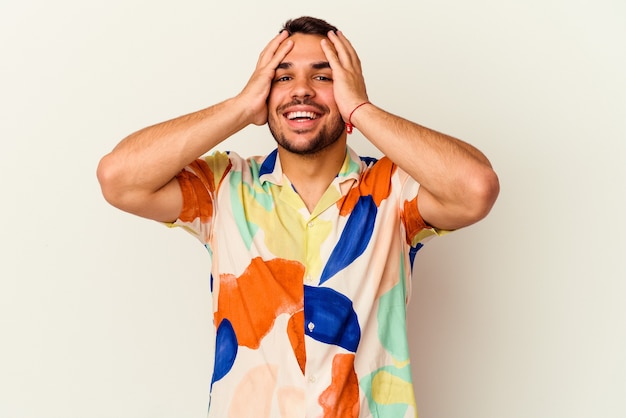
(296, 242)
(388, 389)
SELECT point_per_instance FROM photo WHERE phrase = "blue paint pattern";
(225, 350)
(354, 238)
(329, 317)
(269, 163)
(413, 252)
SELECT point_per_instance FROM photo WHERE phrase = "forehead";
(306, 49)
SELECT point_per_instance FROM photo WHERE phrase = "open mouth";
(301, 116)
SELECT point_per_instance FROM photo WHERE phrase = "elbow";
(108, 176)
(486, 188)
(471, 200)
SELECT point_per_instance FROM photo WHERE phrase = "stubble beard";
(327, 136)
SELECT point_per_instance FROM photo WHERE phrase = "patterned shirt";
(309, 308)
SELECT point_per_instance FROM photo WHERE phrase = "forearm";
(139, 174)
(422, 152)
(148, 159)
(454, 174)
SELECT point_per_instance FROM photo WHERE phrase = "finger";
(342, 48)
(271, 48)
(280, 54)
(346, 51)
(330, 53)
(349, 48)
(275, 42)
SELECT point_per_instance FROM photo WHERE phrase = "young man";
(311, 245)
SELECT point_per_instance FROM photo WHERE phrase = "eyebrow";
(316, 65)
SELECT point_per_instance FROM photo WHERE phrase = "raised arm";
(138, 176)
(458, 186)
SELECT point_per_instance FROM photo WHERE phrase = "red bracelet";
(349, 125)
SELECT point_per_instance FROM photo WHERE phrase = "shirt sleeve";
(417, 230)
(199, 183)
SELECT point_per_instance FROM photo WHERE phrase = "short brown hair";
(308, 25)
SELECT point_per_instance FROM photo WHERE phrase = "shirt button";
(308, 279)
(312, 379)
(310, 224)
(311, 326)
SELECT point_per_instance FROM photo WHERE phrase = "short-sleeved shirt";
(309, 308)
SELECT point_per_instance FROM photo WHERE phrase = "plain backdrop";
(106, 315)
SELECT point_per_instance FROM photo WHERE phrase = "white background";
(103, 314)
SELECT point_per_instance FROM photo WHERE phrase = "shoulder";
(220, 163)
(376, 166)
(382, 170)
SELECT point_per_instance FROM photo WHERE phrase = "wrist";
(246, 114)
(349, 123)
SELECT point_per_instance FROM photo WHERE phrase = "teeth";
(296, 115)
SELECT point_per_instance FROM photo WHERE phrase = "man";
(311, 246)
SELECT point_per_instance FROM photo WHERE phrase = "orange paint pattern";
(197, 187)
(295, 331)
(375, 182)
(341, 398)
(253, 301)
(412, 219)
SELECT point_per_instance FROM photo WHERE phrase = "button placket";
(308, 278)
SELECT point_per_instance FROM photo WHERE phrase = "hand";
(254, 95)
(348, 81)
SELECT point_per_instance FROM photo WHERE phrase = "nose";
(302, 88)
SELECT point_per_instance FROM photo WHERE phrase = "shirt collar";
(271, 169)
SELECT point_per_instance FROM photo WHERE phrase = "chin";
(314, 144)
(302, 147)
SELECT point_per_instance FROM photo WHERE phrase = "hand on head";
(255, 93)
(348, 80)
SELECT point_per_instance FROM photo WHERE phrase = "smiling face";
(303, 116)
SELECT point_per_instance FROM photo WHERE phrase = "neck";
(312, 174)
